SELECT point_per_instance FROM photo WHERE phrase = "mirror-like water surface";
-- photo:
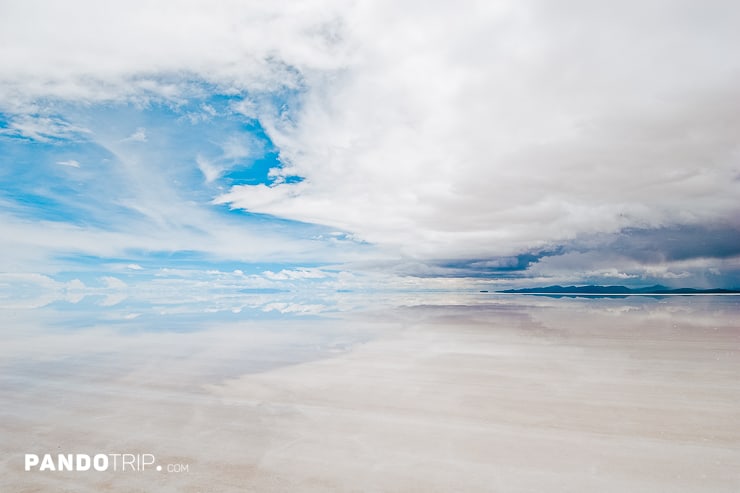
(412, 392)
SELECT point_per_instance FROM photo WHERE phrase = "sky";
(366, 145)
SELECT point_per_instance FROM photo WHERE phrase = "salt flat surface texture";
(472, 394)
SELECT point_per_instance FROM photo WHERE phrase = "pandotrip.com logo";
(119, 462)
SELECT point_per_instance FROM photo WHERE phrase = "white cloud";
(84, 50)
(33, 245)
(610, 273)
(235, 151)
(24, 290)
(263, 198)
(238, 147)
(663, 271)
(71, 163)
(442, 130)
(138, 136)
(113, 282)
(296, 274)
(472, 130)
(210, 171)
(42, 128)
(298, 308)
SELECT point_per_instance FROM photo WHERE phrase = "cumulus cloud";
(482, 131)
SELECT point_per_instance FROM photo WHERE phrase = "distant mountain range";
(616, 290)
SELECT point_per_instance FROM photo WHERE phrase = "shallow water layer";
(427, 393)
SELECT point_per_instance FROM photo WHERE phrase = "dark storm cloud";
(678, 243)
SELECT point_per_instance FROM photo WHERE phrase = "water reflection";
(436, 390)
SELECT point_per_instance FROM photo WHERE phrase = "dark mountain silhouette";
(616, 290)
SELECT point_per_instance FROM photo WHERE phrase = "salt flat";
(476, 394)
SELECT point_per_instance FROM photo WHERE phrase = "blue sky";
(293, 147)
(129, 190)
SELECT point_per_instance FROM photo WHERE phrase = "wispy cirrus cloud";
(72, 163)
(42, 128)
